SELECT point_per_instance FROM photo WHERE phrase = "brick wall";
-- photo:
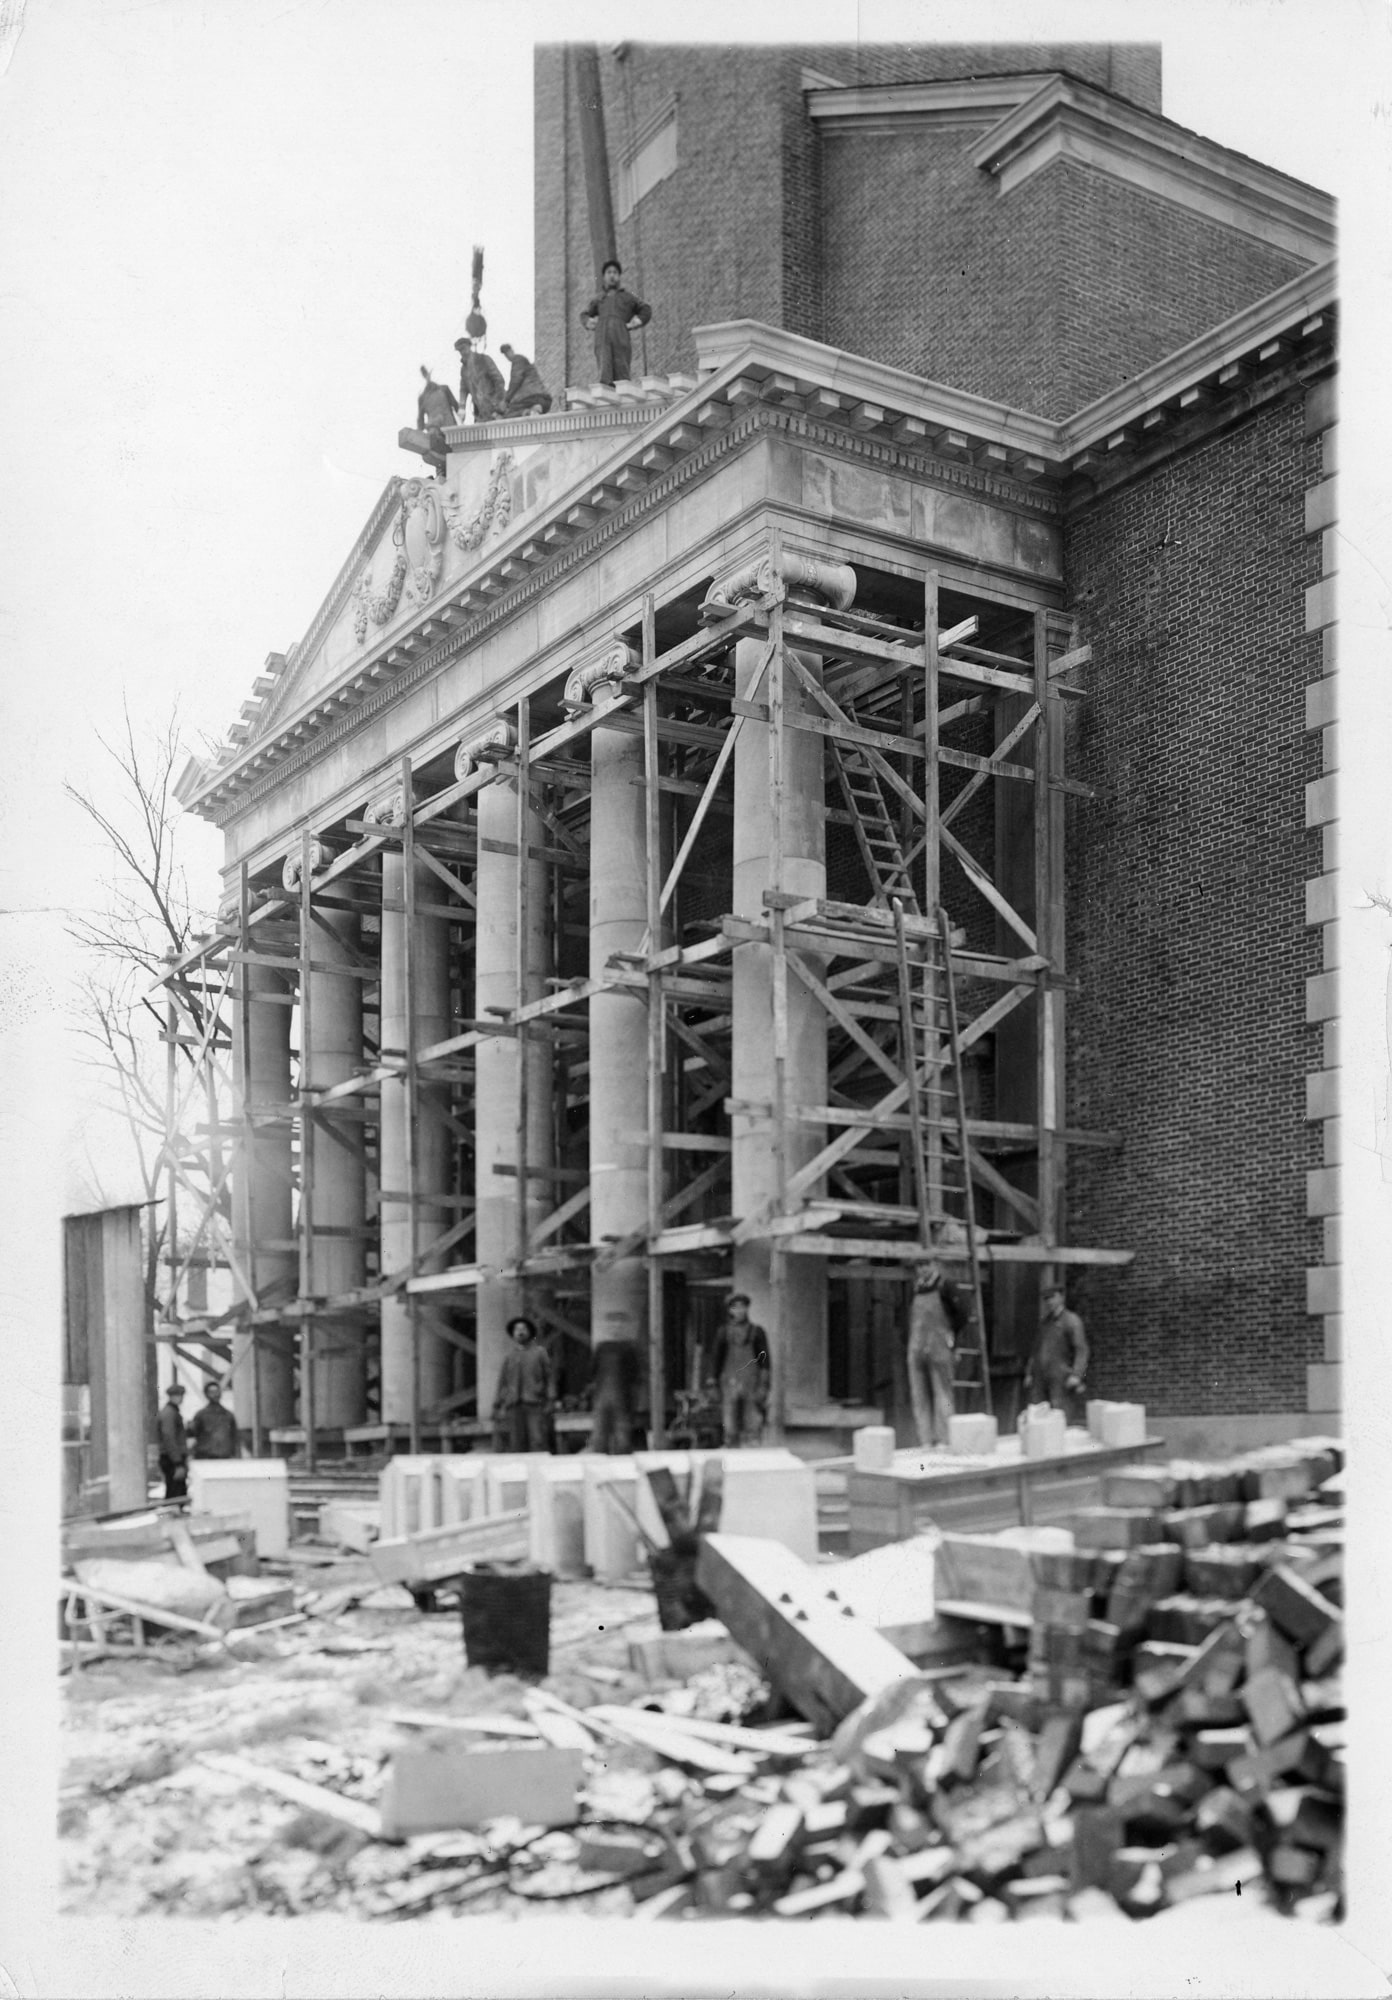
(1045, 297)
(736, 231)
(1186, 929)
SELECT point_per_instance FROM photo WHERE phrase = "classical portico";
(697, 686)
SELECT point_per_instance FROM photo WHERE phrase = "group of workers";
(737, 1370)
(612, 316)
(210, 1433)
(1054, 1374)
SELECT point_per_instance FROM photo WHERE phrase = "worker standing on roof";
(213, 1431)
(740, 1368)
(611, 316)
(173, 1444)
(935, 1319)
(1058, 1366)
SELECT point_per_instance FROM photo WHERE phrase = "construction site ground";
(146, 1828)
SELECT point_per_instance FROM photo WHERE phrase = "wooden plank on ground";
(440, 1552)
(315, 1798)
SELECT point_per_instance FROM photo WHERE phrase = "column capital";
(290, 873)
(607, 670)
(808, 578)
(387, 809)
(501, 738)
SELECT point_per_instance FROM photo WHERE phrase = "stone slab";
(258, 1487)
(431, 1791)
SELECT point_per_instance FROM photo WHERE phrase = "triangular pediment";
(426, 535)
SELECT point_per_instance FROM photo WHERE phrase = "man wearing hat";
(936, 1318)
(610, 316)
(740, 1368)
(173, 1444)
(1059, 1362)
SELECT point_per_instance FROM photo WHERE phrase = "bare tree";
(148, 918)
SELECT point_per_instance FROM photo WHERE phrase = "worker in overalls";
(1058, 1366)
(740, 1370)
(935, 1319)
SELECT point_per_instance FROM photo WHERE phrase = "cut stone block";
(432, 1791)
(611, 1539)
(350, 1524)
(773, 1495)
(409, 1491)
(1122, 1424)
(1116, 1527)
(462, 1491)
(505, 1481)
(891, 1588)
(822, 1658)
(872, 1447)
(258, 1487)
(973, 1435)
(1043, 1433)
(556, 1515)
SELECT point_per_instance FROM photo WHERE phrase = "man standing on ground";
(173, 1444)
(214, 1430)
(740, 1368)
(935, 1320)
(526, 392)
(610, 316)
(1058, 1365)
(531, 1409)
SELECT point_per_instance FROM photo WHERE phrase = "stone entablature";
(757, 381)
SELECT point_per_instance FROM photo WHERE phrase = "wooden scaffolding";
(952, 938)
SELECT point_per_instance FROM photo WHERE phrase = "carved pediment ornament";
(290, 873)
(502, 736)
(606, 672)
(418, 539)
(808, 578)
(492, 515)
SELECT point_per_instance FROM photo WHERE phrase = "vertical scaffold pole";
(248, 1131)
(524, 722)
(306, 1111)
(408, 878)
(779, 1331)
(652, 773)
(1046, 929)
(932, 891)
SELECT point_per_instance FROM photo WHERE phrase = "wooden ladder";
(937, 1101)
(876, 834)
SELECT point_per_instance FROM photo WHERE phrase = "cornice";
(240, 789)
(870, 110)
(765, 382)
(1067, 119)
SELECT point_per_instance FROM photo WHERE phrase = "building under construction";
(859, 787)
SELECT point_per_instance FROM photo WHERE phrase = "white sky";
(230, 230)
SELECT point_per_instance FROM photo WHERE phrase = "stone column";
(754, 1164)
(339, 1180)
(263, 1372)
(497, 1071)
(618, 1021)
(431, 992)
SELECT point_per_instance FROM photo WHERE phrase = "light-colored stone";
(872, 1448)
(556, 1514)
(611, 1541)
(771, 1494)
(259, 1487)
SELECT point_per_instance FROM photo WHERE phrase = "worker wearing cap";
(213, 1431)
(1058, 1366)
(935, 1319)
(173, 1444)
(611, 316)
(740, 1369)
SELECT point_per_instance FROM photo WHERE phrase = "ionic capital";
(607, 671)
(387, 810)
(501, 737)
(808, 579)
(290, 873)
